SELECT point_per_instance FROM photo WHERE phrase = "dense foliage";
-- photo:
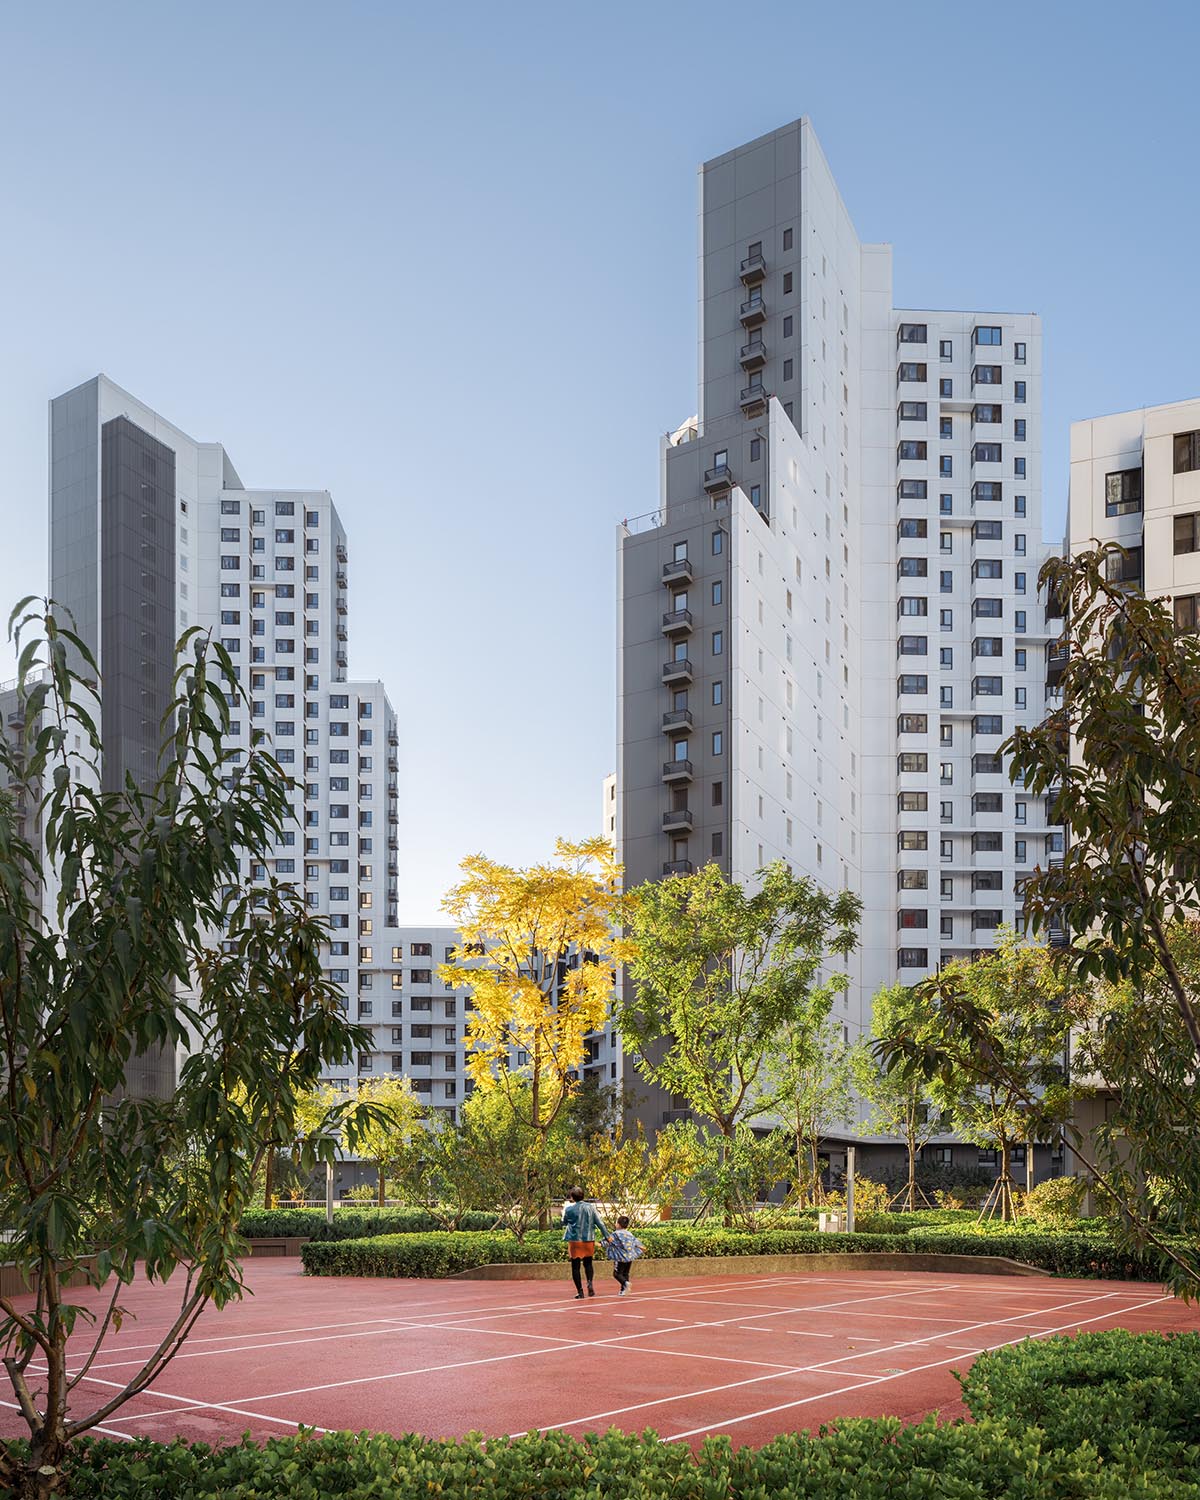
(126, 931)
(1080, 1254)
(1098, 1417)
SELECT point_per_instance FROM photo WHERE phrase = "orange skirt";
(581, 1249)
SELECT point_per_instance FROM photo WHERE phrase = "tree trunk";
(269, 1177)
(42, 1478)
(379, 1171)
(911, 1203)
(1006, 1199)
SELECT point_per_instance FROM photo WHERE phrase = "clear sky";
(441, 261)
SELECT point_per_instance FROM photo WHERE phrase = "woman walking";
(580, 1225)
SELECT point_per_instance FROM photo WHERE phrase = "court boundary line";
(862, 1383)
(806, 1369)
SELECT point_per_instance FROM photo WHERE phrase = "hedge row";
(351, 1223)
(1108, 1416)
(444, 1254)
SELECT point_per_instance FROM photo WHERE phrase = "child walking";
(623, 1248)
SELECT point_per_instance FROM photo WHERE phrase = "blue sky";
(441, 261)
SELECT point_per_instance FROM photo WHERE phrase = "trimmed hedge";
(1129, 1395)
(446, 1253)
(352, 1223)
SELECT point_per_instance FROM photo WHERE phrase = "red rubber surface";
(752, 1356)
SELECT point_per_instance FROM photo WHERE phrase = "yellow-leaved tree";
(538, 952)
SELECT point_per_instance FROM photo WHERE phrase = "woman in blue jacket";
(580, 1225)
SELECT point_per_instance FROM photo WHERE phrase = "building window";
(912, 489)
(912, 567)
(1187, 452)
(911, 527)
(912, 411)
(914, 333)
(945, 349)
(912, 760)
(946, 427)
(912, 958)
(1019, 429)
(718, 742)
(756, 496)
(909, 373)
(787, 239)
(787, 283)
(1019, 392)
(946, 389)
(1187, 533)
(913, 840)
(1019, 353)
(912, 682)
(912, 645)
(946, 656)
(1019, 505)
(1019, 544)
(718, 642)
(986, 453)
(946, 582)
(788, 367)
(718, 693)
(912, 802)
(1019, 468)
(1187, 612)
(946, 466)
(1123, 492)
(912, 724)
(755, 450)
(987, 335)
(946, 541)
(718, 543)
(787, 327)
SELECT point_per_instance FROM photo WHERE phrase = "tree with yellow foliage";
(539, 946)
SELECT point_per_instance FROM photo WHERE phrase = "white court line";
(186, 1403)
(804, 1369)
(860, 1384)
(107, 1431)
(623, 1339)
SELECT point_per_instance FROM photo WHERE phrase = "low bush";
(1056, 1203)
(1127, 1395)
(352, 1223)
(863, 1459)
(444, 1254)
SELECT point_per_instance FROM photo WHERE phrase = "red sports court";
(748, 1355)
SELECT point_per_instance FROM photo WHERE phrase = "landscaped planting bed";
(445, 1254)
(1107, 1416)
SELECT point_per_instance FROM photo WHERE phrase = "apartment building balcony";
(393, 842)
(676, 622)
(677, 671)
(342, 659)
(342, 633)
(718, 478)
(677, 867)
(1056, 661)
(752, 270)
(753, 401)
(341, 579)
(393, 739)
(676, 719)
(341, 606)
(752, 312)
(676, 772)
(678, 820)
(342, 555)
(679, 571)
(753, 355)
(393, 763)
(393, 868)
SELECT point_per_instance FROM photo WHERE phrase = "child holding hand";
(623, 1248)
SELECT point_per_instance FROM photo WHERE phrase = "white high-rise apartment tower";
(831, 622)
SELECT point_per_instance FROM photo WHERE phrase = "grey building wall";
(74, 511)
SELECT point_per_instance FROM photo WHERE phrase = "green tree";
(1119, 757)
(901, 1104)
(719, 974)
(995, 1030)
(149, 940)
(813, 1076)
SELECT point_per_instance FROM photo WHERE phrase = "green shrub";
(1125, 1394)
(1057, 1202)
(441, 1253)
(352, 1223)
(864, 1459)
